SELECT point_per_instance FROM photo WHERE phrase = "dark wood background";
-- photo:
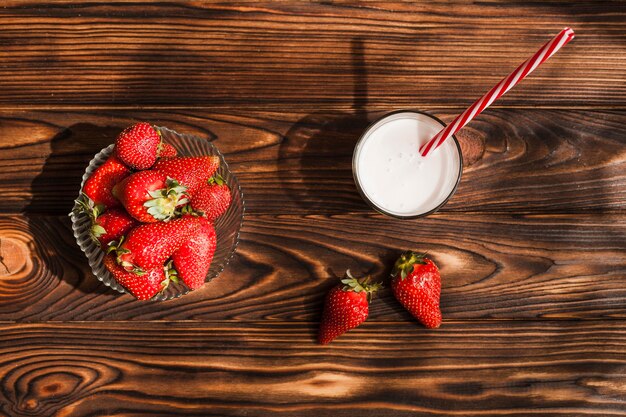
(532, 248)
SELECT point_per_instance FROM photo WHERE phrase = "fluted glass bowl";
(227, 226)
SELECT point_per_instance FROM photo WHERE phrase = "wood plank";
(278, 54)
(535, 161)
(552, 368)
(493, 266)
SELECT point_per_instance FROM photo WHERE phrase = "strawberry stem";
(85, 205)
(360, 285)
(187, 209)
(164, 201)
(406, 263)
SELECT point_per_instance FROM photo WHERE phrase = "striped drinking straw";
(502, 87)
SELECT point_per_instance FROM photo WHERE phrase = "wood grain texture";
(302, 55)
(552, 368)
(534, 161)
(493, 266)
(532, 248)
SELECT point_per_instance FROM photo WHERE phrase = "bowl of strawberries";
(158, 214)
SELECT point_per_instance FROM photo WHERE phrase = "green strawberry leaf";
(85, 205)
(171, 274)
(217, 179)
(406, 264)
(97, 230)
(98, 210)
(360, 285)
(156, 193)
(137, 271)
(163, 202)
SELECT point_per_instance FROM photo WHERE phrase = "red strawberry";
(212, 200)
(416, 283)
(112, 225)
(107, 226)
(193, 259)
(346, 307)
(143, 285)
(149, 245)
(149, 196)
(190, 171)
(167, 151)
(137, 146)
(99, 185)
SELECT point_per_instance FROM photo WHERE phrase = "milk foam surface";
(393, 174)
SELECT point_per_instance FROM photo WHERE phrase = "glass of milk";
(392, 176)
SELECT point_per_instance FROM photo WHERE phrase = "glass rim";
(362, 192)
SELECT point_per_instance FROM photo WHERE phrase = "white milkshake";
(392, 174)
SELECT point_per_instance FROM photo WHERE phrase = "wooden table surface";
(532, 247)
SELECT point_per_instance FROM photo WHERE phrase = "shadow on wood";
(318, 148)
(75, 146)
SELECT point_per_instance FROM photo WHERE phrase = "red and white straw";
(503, 86)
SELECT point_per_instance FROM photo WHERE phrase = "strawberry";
(193, 259)
(167, 151)
(346, 307)
(190, 171)
(149, 196)
(416, 283)
(212, 200)
(143, 285)
(149, 245)
(137, 146)
(107, 226)
(112, 225)
(99, 185)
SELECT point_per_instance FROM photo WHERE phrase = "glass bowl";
(227, 226)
